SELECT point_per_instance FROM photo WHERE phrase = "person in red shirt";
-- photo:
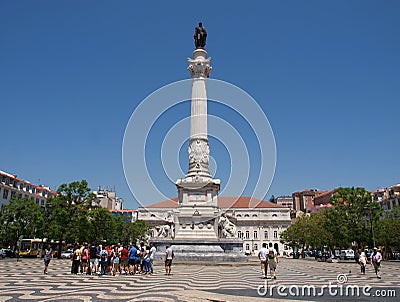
(124, 260)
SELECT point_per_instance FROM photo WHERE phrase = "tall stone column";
(199, 151)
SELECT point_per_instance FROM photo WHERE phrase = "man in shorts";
(272, 261)
(262, 255)
(94, 262)
(124, 260)
(169, 255)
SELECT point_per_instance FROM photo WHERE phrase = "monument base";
(198, 250)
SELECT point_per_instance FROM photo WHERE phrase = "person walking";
(151, 257)
(47, 257)
(272, 261)
(169, 255)
(376, 262)
(362, 261)
(262, 256)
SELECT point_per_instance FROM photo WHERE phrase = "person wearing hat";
(376, 262)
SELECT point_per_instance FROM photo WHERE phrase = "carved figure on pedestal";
(200, 36)
(163, 231)
(228, 229)
(171, 223)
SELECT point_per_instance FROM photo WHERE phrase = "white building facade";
(11, 185)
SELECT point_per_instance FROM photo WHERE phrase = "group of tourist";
(110, 260)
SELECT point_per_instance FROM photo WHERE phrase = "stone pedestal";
(217, 250)
(197, 212)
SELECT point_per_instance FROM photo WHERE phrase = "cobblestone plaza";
(25, 281)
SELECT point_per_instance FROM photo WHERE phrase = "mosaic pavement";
(25, 281)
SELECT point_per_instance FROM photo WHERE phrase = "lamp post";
(371, 213)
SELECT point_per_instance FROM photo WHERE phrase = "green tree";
(103, 225)
(387, 231)
(21, 218)
(69, 212)
(355, 211)
(136, 231)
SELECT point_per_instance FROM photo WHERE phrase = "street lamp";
(371, 212)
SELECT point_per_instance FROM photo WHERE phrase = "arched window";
(239, 215)
(247, 235)
(254, 215)
(246, 215)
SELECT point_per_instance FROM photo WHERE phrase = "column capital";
(199, 66)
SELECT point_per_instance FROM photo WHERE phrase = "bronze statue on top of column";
(200, 36)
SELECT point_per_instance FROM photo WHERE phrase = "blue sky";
(326, 74)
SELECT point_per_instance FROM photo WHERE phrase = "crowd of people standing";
(110, 260)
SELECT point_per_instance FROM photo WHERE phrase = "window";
(254, 215)
(274, 215)
(255, 234)
(247, 235)
(239, 215)
(275, 234)
(5, 194)
(21, 185)
(247, 247)
(240, 234)
(7, 181)
(246, 215)
(266, 235)
(255, 247)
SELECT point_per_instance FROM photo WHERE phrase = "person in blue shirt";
(132, 260)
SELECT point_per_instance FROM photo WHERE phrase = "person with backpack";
(272, 261)
(262, 256)
(76, 259)
(103, 261)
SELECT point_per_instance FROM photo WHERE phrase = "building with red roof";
(11, 185)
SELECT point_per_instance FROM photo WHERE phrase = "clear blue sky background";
(326, 73)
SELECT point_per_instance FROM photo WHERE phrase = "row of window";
(21, 186)
(253, 215)
(246, 235)
(6, 193)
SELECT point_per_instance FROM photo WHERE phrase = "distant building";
(108, 199)
(388, 197)
(285, 201)
(11, 185)
(304, 200)
(128, 215)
